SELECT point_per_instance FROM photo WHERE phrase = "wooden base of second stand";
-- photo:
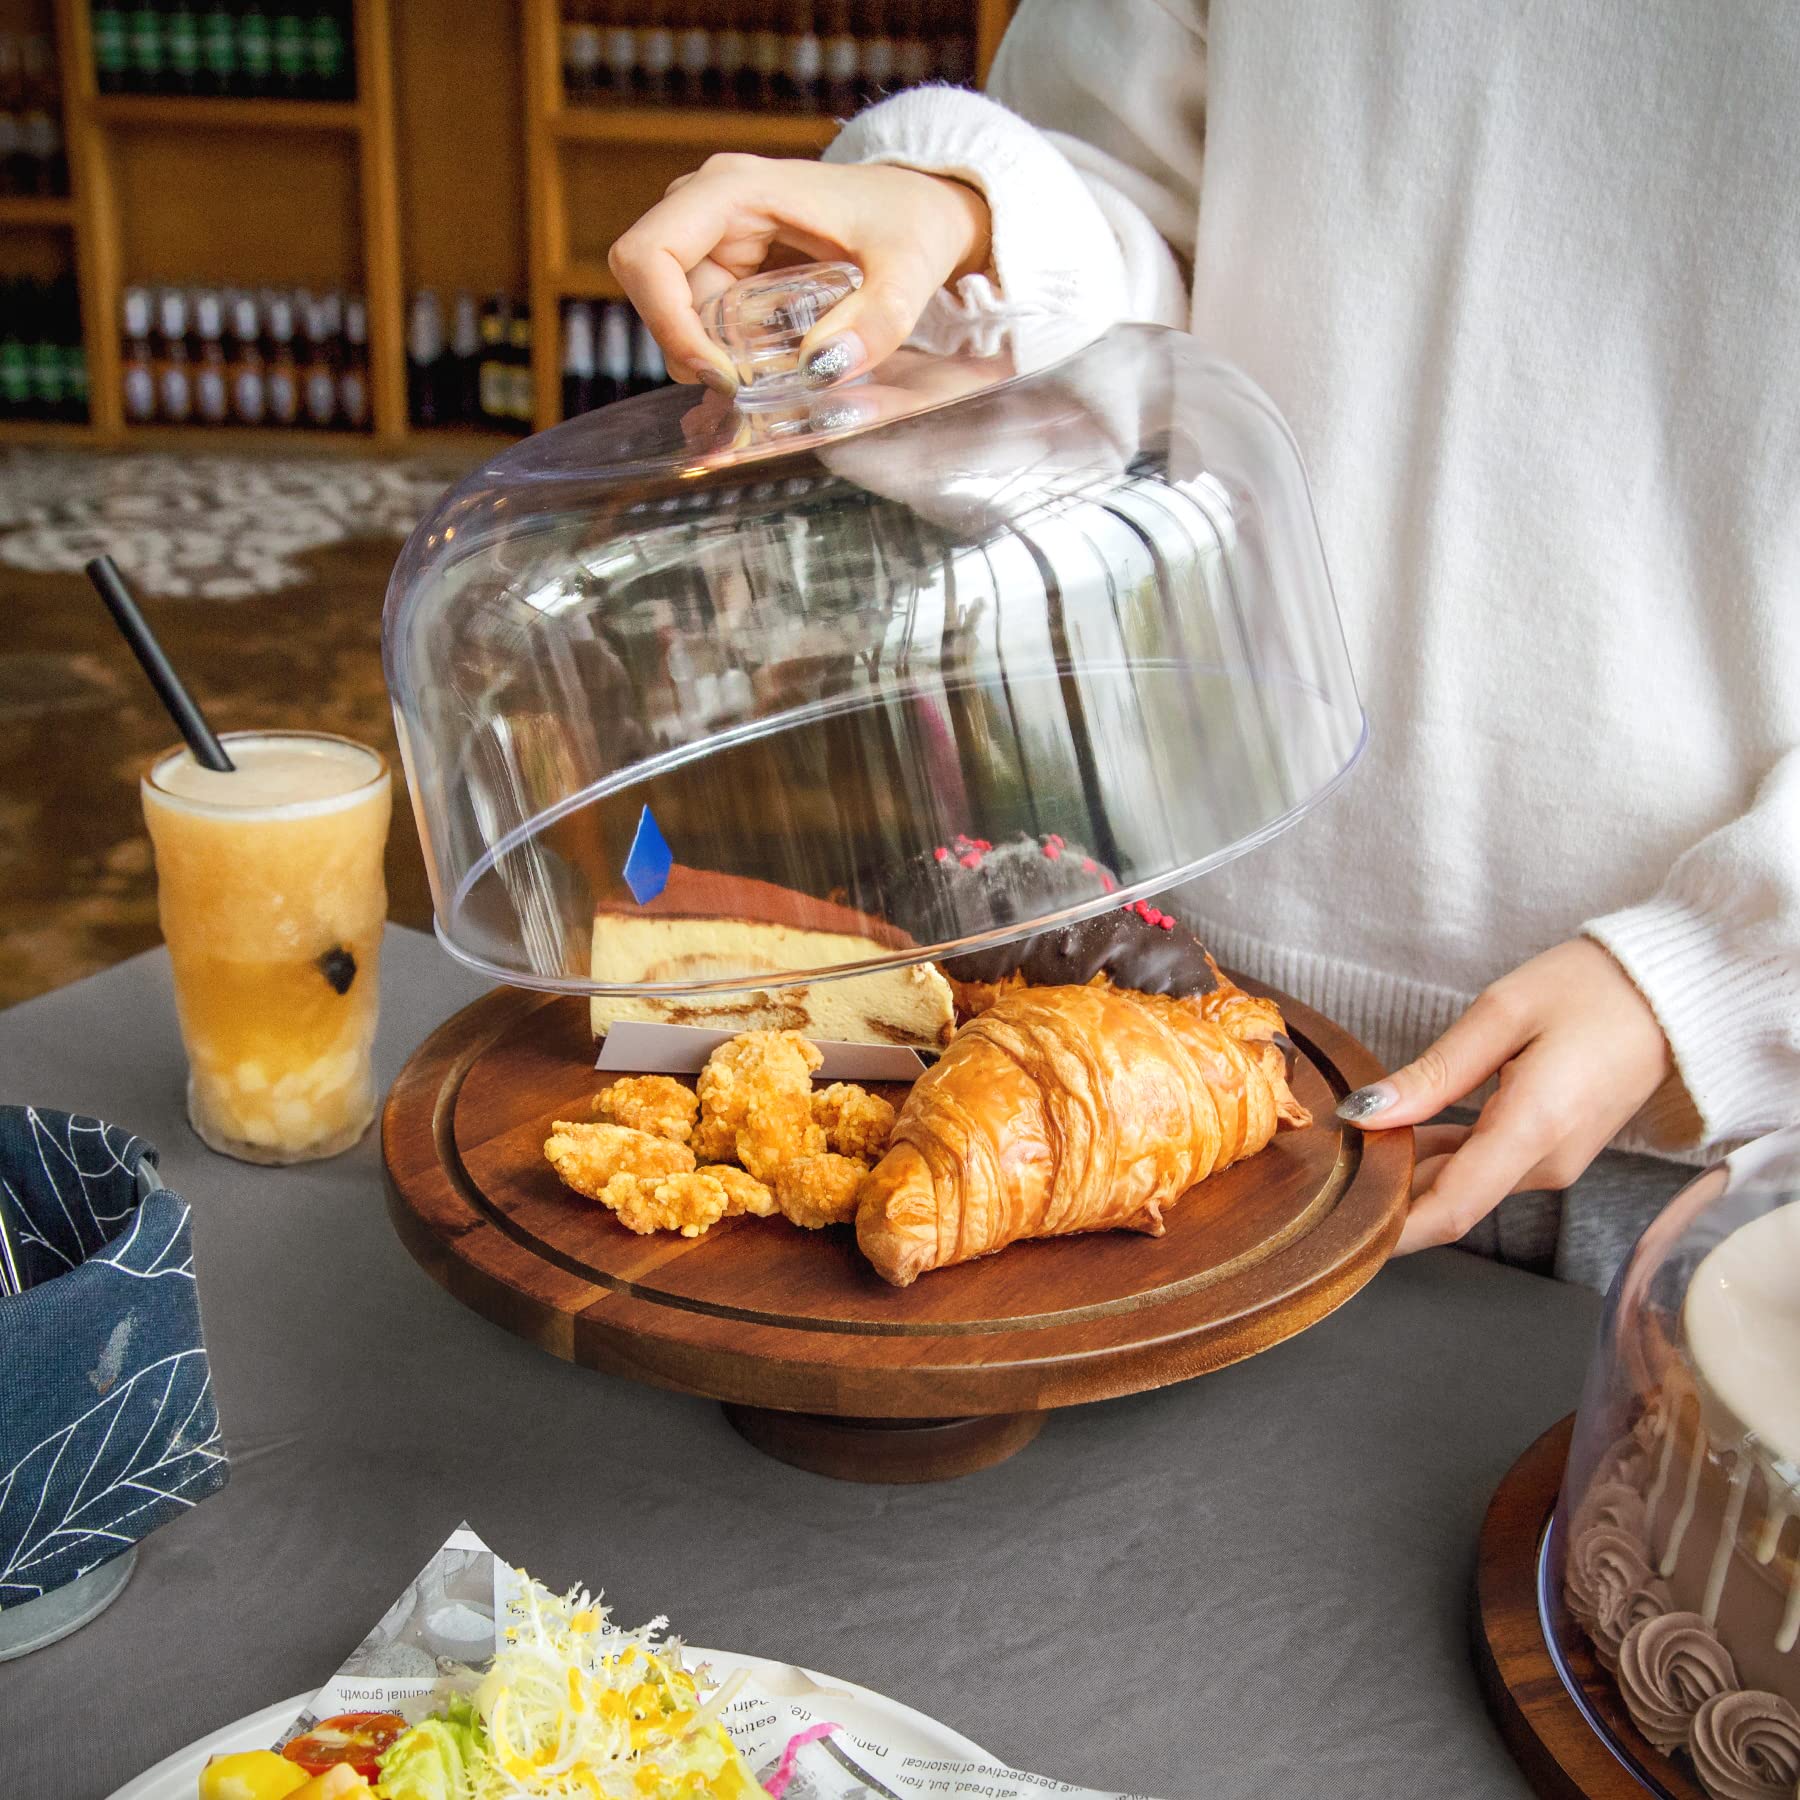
(885, 1450)
(1563, 1756)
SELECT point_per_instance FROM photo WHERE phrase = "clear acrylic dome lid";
(1671, 1591)
(992, 640)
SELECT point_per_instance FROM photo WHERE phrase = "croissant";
(1066, 1109)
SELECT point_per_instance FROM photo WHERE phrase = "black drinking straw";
(189, 720)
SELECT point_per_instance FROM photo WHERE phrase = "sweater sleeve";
(1716, 952)
(1093, 220)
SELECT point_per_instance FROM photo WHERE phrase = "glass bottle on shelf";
(181, 47)
(494, 384)
(693, 54)
(581, 52)
(281, 379)
(46, 161)
(46, 358)
(255, 49)
(319, 322)
(768, 51)
(328, 51)
(174, 370)
(424, 352)
(802, 63)
(212, 377)
(148, 64)
(460, 394)
(875, 64)
(246, 370)
(578, 365)
(218, 48)
(15, 359)
(138, 359)
(353, 375)
(13, 172)
(614, 359)
(647, 367)
(66, 306)
(731, 54)
(618, 53)
(655, 53)
(912, 50)
(841, 57)
(519, 406)
(954, 42)
(111, 31)
(288, 43)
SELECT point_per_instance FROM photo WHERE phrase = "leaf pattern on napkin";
(112, 1428)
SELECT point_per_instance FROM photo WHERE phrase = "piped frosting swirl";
(1746, 1746)
(1669, 1667)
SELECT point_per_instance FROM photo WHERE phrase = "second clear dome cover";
(981, 644)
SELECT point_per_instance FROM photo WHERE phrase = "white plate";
(859, 1710)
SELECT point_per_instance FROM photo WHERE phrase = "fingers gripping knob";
(761, 322)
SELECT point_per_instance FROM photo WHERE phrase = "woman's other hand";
(909, 233)
(1578, 1052)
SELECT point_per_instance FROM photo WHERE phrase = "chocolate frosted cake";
(1135, 946)
(1682, 1564)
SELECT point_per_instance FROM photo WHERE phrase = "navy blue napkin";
(107, 1423)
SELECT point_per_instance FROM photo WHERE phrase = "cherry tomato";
(353, 1738)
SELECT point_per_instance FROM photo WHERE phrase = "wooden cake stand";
(817, 1360)
(1563, 1755)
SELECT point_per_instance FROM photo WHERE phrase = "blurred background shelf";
(697, 127)
(36, 210)
(192, 110)
(438, 158)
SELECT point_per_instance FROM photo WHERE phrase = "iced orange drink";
(270, 888)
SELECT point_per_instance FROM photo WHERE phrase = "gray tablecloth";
(1254, 1584)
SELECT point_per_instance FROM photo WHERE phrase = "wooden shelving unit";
(32, 211)
(459, 163)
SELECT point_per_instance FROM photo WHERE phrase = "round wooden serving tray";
(818, 1360)
(1563, 1755)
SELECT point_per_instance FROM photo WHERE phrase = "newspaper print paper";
(450, 1616)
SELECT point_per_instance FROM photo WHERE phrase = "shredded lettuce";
(437, 1759)
(574, 1708)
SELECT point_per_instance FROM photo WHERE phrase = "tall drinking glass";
(272, 898)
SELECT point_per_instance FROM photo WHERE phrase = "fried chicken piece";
(855, 1122)
(587, 1156)
(713, 1141)
(743, 1193)
(818, 1190)
(758, 1087)
(689, 1203)
(658, 1104)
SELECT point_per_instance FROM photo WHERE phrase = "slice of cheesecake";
(705, 926)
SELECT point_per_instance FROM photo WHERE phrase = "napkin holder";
(109, 1427)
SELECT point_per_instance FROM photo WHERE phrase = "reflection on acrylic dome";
(1672, 1569)
(793, 648)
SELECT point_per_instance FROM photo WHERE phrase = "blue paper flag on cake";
(648, 865)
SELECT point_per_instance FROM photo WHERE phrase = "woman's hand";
(1578, 1052)
(909, 234)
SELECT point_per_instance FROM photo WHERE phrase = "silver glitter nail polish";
(1365, 1103)
(829, 361)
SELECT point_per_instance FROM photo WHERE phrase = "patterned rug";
(264, 578)
(200, 527)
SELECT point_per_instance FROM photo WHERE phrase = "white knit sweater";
(1525, 280)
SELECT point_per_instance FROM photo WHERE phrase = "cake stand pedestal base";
(1563, 1756)
(885, 1450)
(819, 1361)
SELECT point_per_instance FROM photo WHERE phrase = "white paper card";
(632, 1047)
